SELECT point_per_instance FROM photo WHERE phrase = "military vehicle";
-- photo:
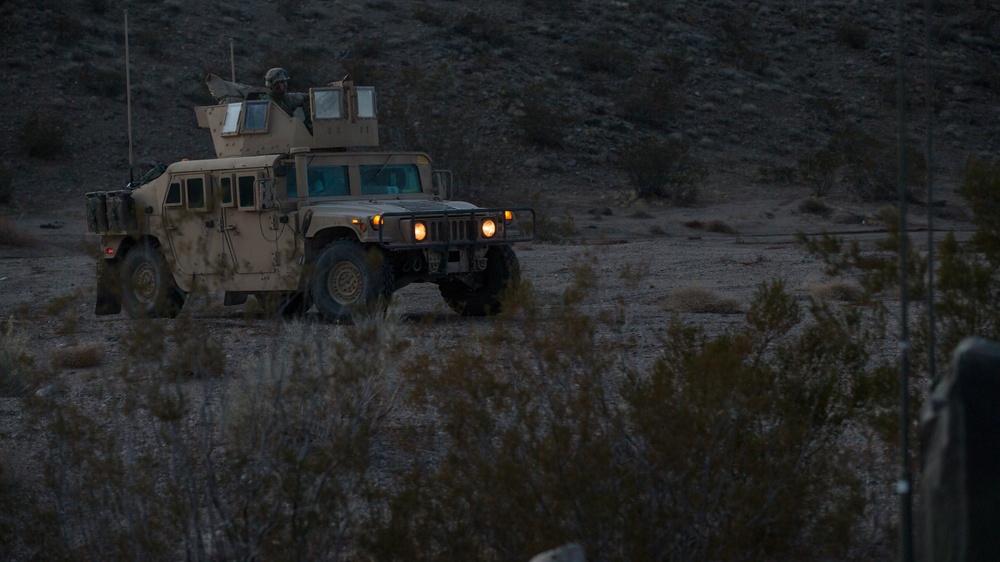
(299, 213)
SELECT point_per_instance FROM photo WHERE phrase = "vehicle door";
(192, 215)
(259, 238)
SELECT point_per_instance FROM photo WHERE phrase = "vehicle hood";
(376, 206)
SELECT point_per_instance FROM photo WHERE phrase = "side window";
(232, 118)
(366, 102)
(196, 199)
(174, 198)
(328, 181)
(389, 180)
(226, 188)
(255, 117)
(326, 103)
(245, 192)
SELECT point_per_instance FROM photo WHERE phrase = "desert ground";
(642, 252)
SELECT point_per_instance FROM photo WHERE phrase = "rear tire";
(350, 279)
(148, 289)
(503, 271)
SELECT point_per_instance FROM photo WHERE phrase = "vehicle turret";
(342, 115)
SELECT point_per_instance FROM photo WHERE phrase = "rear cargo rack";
(110, 211)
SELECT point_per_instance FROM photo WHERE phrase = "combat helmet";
(275, 75)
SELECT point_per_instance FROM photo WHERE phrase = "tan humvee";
(292, 217)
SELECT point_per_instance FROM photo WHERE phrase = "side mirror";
(443, 184)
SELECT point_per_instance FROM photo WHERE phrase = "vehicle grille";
(451, 227)
(452, 230)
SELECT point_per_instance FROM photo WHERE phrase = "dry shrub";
(198, 351)
(813, 205)
(44, 135)
(720, 227)
(15, 362)
(78, 356)
(11, 236)
(539, 429)
(701, 300)
(543, 432)
(837, 290)
(662, 169)
(6, 184)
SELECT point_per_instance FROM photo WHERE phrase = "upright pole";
(931, 324)
(232, 60)
(903, 485)
(128, 101)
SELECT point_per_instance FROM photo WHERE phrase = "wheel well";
(324, 238)
(131, 242)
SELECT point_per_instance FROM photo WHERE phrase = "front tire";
(349, 278)
(483, 297)
(148, 288)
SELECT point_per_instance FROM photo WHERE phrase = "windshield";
(324, 181)
(389, 179)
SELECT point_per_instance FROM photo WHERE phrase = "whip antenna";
(904, 485)
(128, 101)
(931, 326)
(232, 60)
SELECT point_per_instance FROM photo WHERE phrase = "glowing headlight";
(419, 231)
(377, 222)
(489, 228)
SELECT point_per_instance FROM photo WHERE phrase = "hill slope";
(518, 94)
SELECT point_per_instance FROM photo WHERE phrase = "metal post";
(931, 324)
(232, 60)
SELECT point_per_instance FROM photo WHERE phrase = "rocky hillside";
(515, 94)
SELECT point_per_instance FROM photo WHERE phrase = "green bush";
(968, 282)
(430, 16)
(69, 30)
(728, 447)
(543, 122)
(538, 430)
(107, 82)
(606, 56)
(851, 35)
(44, 135)
(652, 99)
(866, 165)
(967, 285)
(15, 362)
(662, 169)
(815, 206)
(485, 30)
(738, 47)
(98, 7)
(264, 465)
(6, 184)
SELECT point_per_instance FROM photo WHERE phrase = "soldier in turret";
(276, 80)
